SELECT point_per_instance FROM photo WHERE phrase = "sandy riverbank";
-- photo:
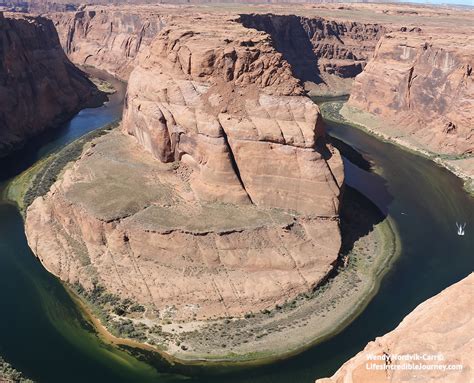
(37, 180)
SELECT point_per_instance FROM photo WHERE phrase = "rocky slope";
(421, 81)
(442, 326)
(39, 86)
(226, 198)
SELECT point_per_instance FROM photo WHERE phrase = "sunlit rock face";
(108, 38)
(220, 98)
(441, 327)
(423, 83)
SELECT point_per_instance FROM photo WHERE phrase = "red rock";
(441, 327)
(39, 86)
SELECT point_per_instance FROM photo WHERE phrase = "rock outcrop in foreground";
(221, 100)
(443, 325)
(224, 201)
(39, 86)
(422, 82)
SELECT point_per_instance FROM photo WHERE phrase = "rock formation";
(216, 100)
(442, 326)
(8, 374)
(108, 38)
(319, 50)
(226, 198)
(39, 87)
(422, 82)
(318, 47)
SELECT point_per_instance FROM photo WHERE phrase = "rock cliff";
(317, 47)
(226, 198)
(226, 104)
(319, 50)
(422, 82)
(108, 38)
(39, 86)
(442, 327)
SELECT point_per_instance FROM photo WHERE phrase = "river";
(43, 334)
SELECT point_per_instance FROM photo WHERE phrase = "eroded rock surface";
(443, 325)
(422, 82)
(220, 99)
(124, 220)
(39, 86)
(108, 38)
(226, 198)
(320, 50)
(318, 47)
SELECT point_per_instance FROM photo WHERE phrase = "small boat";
(461, 228)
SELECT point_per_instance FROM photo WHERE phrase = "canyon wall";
(422, 83)
(317, 47)
(219, 197)
(319, 50)
(108, 38)
(39, 86)
(441, 326)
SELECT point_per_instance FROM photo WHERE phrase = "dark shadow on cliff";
(351, 154)
(348, 152)
(358, 216)
(291, 40)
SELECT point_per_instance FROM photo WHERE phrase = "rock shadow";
(291, 40)
(358, 216)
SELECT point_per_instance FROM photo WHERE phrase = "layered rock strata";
(226, 104)
(422, 82)
(439, 330)
(318, 47)
(108, 38)
(39, 86)
(226, 198)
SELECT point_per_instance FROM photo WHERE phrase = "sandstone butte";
(442, 325)
(317, 48)
(225, 200)
(39, 86)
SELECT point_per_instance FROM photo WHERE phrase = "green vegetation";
(10, 374)
(113, 311)
(38, 179)
(103, 86)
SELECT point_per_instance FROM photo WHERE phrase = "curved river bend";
(42, 332)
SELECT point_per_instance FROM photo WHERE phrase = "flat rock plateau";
(440, 323)
(39, 86)
(218, 199)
